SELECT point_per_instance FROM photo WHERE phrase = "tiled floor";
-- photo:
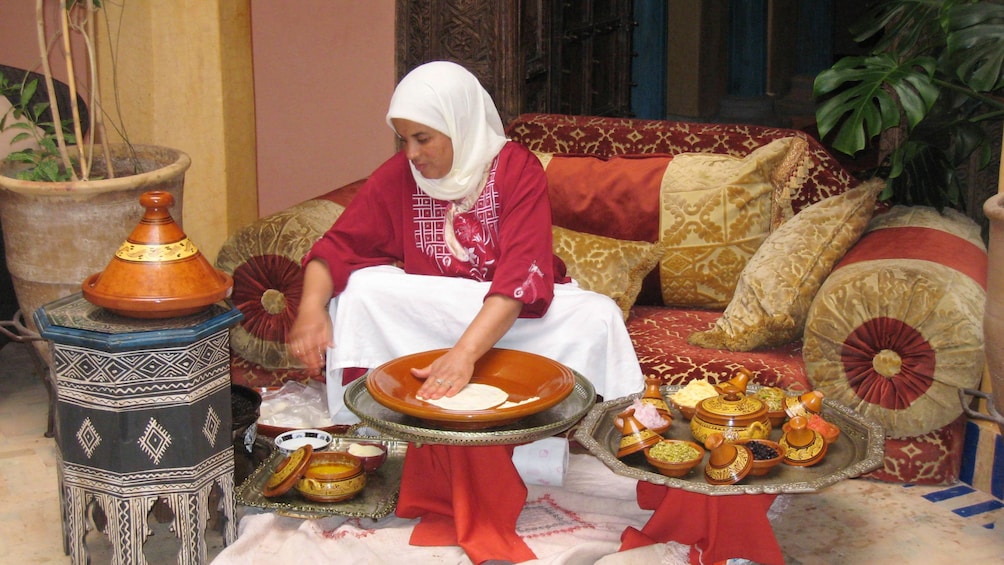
(850, 523)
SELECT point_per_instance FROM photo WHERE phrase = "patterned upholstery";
(270, 275)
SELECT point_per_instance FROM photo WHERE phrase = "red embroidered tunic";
(507, 233)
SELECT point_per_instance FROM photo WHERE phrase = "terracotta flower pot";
(56, 234)
(993, 319)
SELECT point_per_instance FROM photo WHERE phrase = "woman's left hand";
(454, 369)
(445, 376)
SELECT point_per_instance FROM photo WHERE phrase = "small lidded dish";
(803, 446)
(728, 463)
(674, 457)
(635, 436)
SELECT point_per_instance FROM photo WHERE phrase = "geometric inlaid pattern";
(212, 426)
(88, 437)
(154, 441)
(131, 380)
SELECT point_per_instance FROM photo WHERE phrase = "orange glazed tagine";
(157, 272)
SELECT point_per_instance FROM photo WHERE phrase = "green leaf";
(859, 101)
(976, 45)
(27, 92)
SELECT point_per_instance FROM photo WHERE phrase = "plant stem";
(47, 72)
(985, 98)
(78, 134)
(97, 121)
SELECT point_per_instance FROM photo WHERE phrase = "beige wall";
(324, 73)
(318, 96)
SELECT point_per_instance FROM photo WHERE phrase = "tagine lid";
(157, 272)
(288, 472)
(730, 407)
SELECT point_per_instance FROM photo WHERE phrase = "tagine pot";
(993, 319)
(157, 272)
(56, 234)
(733, 414)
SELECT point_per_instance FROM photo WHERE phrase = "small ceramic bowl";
(687, 411)
(371, 454)
(674, 468)
(288, 442)
(332, 476)
(762, 466)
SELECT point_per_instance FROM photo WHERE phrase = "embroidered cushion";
(902, 362)
(709, 211)
(613, 267)
(777, 286)
(715, 211)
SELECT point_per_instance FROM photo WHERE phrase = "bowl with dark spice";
(766, 455)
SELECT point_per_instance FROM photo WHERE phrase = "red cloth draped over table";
(716, 527)
(469, 496)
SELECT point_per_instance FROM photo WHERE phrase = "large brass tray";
(858, 450)
(546, 423)
(377, 500)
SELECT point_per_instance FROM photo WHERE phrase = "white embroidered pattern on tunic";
(477, 230)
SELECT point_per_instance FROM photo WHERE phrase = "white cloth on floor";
(385, 313)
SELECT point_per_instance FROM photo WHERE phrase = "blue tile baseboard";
(983, 458)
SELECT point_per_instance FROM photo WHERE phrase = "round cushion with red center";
(902, 363)
(264, 260)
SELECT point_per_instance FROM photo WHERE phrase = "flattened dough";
(474, 396)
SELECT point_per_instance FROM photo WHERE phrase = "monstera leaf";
(872, 94)
(976, 45)
(935, 73)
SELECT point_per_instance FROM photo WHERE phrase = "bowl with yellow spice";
(332, 476)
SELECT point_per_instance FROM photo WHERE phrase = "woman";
(448, 245)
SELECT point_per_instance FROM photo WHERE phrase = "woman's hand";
(453, 370)
(311, 334)
(310, 337)
(446, 375)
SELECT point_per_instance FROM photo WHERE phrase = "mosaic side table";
(143, 414)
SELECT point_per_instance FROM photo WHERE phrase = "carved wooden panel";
(482, 36)
(531, 55)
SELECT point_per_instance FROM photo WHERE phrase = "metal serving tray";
(377, 499)
(858, 450)
(543, 424)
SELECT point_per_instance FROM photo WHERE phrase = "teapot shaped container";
(733, 414)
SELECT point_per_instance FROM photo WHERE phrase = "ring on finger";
(439, 381)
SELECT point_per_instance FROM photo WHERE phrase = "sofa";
(726, 246)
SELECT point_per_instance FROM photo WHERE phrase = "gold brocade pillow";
(612, 267)
(715, 211)
(776, 288)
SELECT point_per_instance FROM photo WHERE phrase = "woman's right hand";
(312, 333)
(310, 337)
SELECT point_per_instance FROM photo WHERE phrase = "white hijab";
(448, 98)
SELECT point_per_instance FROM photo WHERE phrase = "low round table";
(691, 511)
(463, 485)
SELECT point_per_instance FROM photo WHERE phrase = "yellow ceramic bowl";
(332, 477)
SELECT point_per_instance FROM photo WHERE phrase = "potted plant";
(68, 203)
(923, 99)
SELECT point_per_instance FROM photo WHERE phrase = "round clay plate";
(522, 375)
